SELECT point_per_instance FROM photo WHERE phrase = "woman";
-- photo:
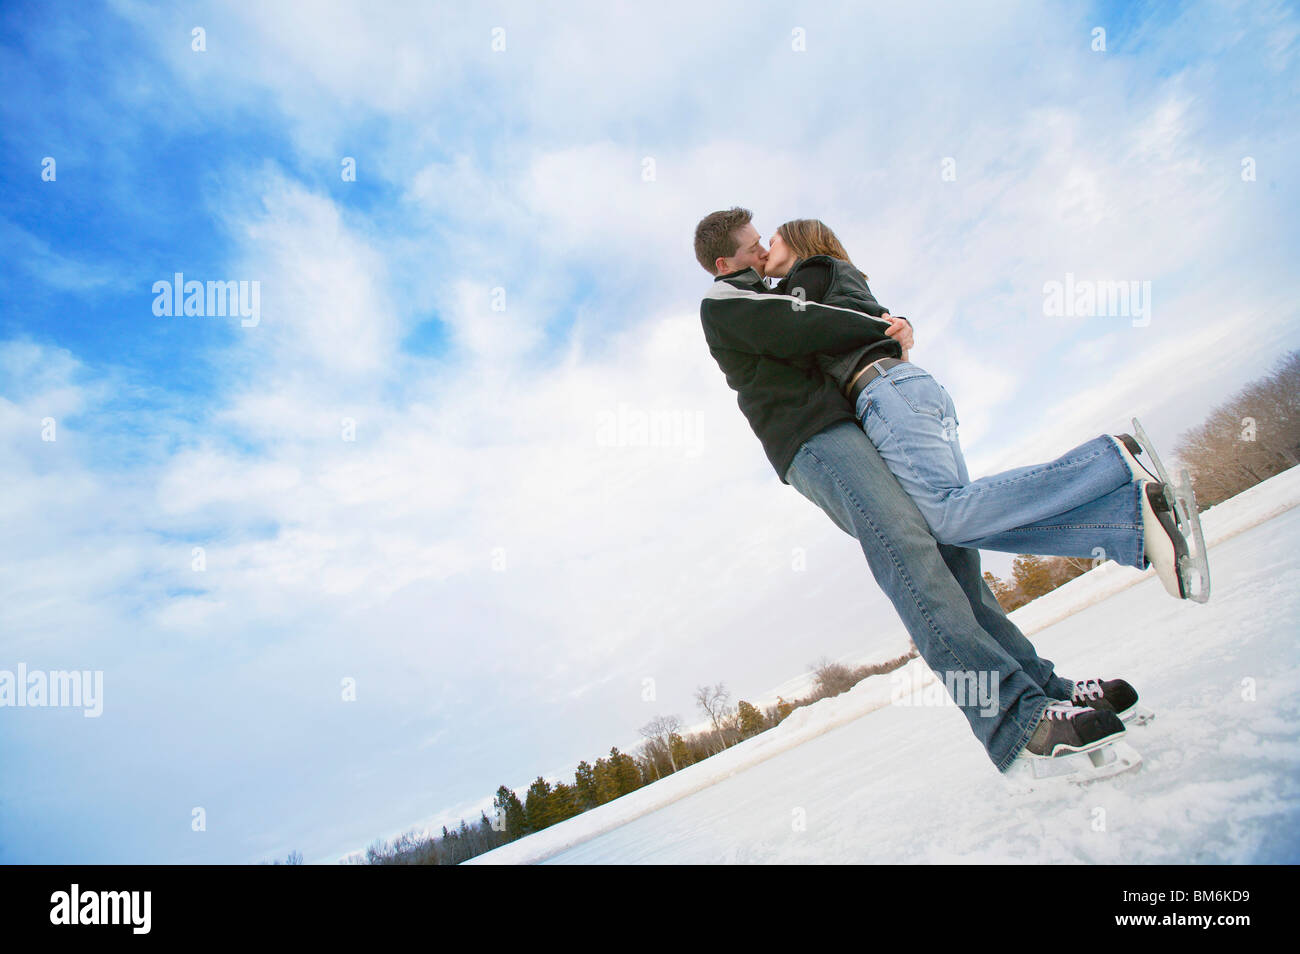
(911, 420)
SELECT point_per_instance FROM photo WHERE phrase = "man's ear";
(720, 266)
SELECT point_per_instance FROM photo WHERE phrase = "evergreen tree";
(564, 800)
(1032, 576)
(1000, 590)
(507, 802)
(537, 805)
(681, 752)
(751, 720)
(605, 782)
(585, 785)
(627, 777)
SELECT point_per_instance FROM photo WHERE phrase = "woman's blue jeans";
(1085, 503)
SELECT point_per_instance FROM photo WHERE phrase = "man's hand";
(901, 330)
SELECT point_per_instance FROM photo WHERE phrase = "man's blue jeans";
(1083, 504)
(937, 589)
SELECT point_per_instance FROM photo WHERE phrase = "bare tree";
(649, 759)
(1251, 437)
(832, 677)
(659, 732)
(713, 700)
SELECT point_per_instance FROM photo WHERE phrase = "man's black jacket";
(766, 343)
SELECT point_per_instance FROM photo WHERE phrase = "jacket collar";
(745, 276)
(830, 260)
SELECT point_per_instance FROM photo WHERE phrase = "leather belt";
(869, 374)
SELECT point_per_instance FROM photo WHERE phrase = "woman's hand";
(900, 329)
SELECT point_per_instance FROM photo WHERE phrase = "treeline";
(665, 749)
(1032, 576)
(1251, 437)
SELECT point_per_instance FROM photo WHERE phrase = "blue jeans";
(1085, 503)
(937, 589)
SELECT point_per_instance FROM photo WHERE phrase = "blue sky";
(497, 578)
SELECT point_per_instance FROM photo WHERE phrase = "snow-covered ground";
(1220, 781)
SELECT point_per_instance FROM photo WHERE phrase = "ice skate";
(1116, 695)
(1072, 744)
(1163, 544)
(1193, 568)
(1129, 449)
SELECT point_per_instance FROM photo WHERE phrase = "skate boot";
(1163, 545)
(1113, 694)
(1073, 744)
(1193, 565)
(1129, 448)
(1066, 728)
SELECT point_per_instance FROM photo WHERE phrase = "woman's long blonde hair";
(813, 237)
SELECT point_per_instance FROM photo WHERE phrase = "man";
(764, 343)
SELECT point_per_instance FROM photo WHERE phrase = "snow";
(1220, 783)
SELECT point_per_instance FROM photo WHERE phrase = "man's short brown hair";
(715, 236)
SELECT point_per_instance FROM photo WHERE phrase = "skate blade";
(1196, 566)
(1193, 569)
(1076, 768)
(1138, 715)
(1195, 582)
(1149, 449)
